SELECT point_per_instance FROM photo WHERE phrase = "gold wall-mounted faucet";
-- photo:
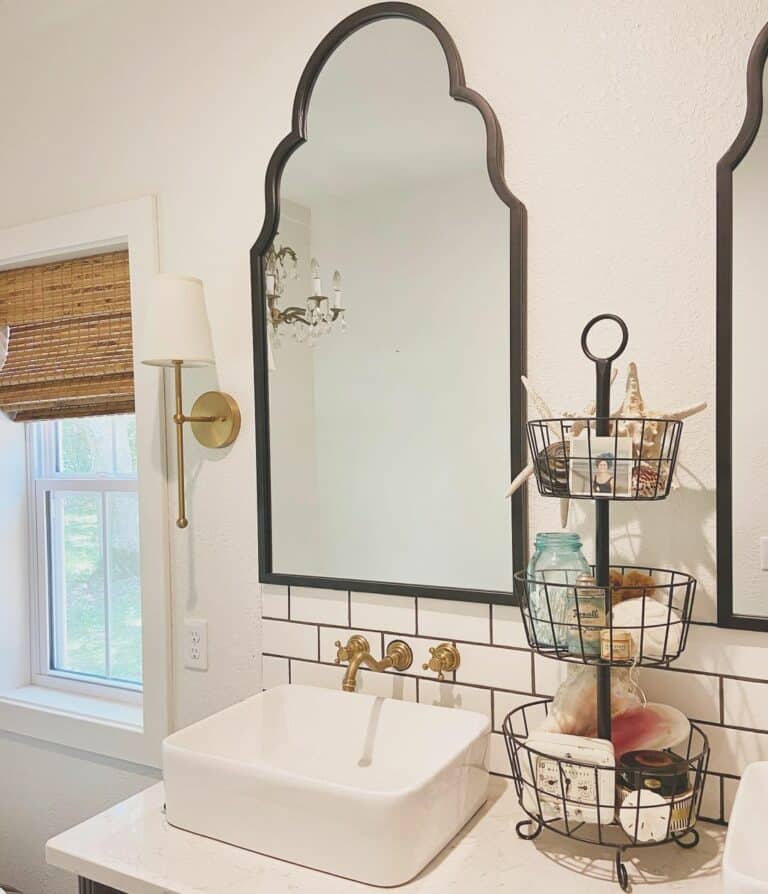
(445, 658)
(357, 652)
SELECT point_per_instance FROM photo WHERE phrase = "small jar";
(557, 563)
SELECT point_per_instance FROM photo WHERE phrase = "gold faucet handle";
(355, 644)
(444, 659)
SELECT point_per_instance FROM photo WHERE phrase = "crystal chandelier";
(317, 317)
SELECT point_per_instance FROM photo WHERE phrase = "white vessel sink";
(745, 860)
(363, 787)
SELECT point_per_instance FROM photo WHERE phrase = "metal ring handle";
(598, 319)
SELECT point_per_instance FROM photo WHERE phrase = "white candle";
(314, 268)
(336, 289)
(270, 284)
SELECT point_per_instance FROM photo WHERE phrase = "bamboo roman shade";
(70, 350)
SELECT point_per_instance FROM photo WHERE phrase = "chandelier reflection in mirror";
(318, 317)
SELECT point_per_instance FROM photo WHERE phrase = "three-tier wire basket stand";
(583, 800)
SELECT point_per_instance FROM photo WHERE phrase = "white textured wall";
(614, 116)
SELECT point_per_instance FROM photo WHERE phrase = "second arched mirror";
(742, 361)
(389, 318)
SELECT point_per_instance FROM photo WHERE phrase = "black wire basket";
(595, 803)
(635, 460)
(565, 615)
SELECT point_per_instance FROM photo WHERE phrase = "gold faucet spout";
(349, 683)
(357, 652)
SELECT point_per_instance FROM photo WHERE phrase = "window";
(85, 551)
(78, 710)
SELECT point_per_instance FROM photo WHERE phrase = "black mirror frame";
(518, 251)
(726, 617)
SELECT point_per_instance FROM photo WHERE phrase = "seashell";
(574, 708)
(652, 726)
(636, 583)
(552, 469)
(650, 481)
(630, 584)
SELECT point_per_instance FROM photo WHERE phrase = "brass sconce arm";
(215, 421)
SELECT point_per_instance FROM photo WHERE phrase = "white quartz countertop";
(132, 848)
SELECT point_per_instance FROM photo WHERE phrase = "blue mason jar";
(557, 562)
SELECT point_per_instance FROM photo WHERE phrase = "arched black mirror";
(389, 321)
(742, 363)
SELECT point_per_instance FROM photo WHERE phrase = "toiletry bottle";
(557, 563)
(586, 618)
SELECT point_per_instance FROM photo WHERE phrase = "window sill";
(97, 725)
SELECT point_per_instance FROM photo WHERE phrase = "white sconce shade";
(176, 326)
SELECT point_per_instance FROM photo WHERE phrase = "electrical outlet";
(764, 553)
(196, 644)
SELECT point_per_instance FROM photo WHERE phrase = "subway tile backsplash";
(745, 704)
(720, 681)
(466, 621)
(290, 640)
(320, 606)
(379, 612)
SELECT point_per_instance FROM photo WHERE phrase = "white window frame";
(75, 713)
(42, 479)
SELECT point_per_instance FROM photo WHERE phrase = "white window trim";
(60, 709)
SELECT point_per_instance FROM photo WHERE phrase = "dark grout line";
(721, 693)
(739, 729)
(425, 676)
(397, 633)
(721, 786)
(490, 625)
(470, 642)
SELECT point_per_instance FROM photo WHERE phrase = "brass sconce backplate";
(224, 413)
(215, 422)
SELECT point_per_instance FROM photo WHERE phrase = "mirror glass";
(749, 465)
(389, 424)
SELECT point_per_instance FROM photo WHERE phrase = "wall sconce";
(178, 334)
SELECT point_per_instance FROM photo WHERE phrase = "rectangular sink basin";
(745, 859)
(362, 787)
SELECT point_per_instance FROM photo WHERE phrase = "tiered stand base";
(561, 810)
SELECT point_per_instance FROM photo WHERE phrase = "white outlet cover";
(196, 644)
